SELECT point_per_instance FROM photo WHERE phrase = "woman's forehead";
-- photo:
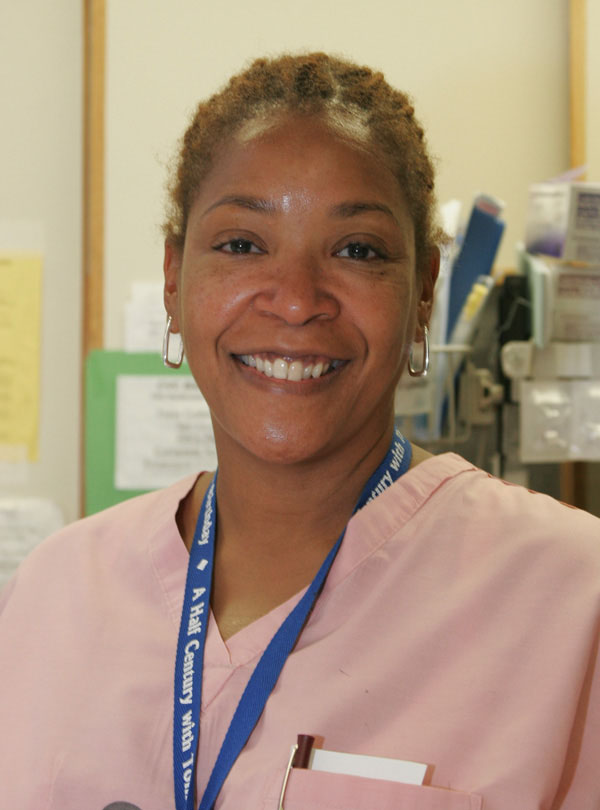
(291, 153)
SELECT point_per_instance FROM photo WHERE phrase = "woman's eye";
(238, 246)
(360, 251)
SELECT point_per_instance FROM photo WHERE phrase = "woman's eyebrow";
(351, 209)
(344, 210)
(243, 201)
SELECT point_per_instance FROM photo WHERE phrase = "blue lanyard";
(192, 638)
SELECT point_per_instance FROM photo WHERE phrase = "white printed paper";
(163, 431)
(145, 317)
(24, 522)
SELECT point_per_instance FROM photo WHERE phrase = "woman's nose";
(297, 293)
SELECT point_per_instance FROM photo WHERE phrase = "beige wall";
(593, 160)
(40, 184)
(490, 81)
(593, 89)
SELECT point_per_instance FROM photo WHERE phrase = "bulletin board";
(146, 426)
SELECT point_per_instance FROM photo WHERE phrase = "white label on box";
(576, 304)
(583, 231)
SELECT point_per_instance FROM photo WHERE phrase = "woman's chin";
(285, 450)
(275, 444)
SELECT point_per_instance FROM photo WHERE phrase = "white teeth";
(280, 369)
(294, 371)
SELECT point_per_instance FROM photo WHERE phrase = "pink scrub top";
(458, 628)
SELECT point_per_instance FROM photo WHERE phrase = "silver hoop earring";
(165, 347)
(420, 372)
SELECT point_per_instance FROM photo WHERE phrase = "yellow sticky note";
(20, 306)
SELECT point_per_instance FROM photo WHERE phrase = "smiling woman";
(299, 252)
(330, 579)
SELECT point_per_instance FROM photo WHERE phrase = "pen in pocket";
(299, 758)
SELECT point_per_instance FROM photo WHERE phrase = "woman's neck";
(274, 503)
(277, 503)
(276, 523)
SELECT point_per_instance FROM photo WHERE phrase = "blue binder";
(476, 258)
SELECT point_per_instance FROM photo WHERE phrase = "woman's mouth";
(287, 368)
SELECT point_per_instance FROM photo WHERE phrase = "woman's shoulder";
(453, 496)
(133, 514)
(500, 534)
(482, 503)
(118, 532)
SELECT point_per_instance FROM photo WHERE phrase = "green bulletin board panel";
(101, 372)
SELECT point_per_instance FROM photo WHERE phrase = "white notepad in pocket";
(394, 770)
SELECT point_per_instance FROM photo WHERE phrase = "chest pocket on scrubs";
(317, 790)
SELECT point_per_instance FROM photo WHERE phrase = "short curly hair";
(315, 84)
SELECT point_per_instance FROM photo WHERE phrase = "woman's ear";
(429, 274)
(171, 269)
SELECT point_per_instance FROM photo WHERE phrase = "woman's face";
(296, 293)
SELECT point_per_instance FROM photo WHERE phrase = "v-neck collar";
(367, 531)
